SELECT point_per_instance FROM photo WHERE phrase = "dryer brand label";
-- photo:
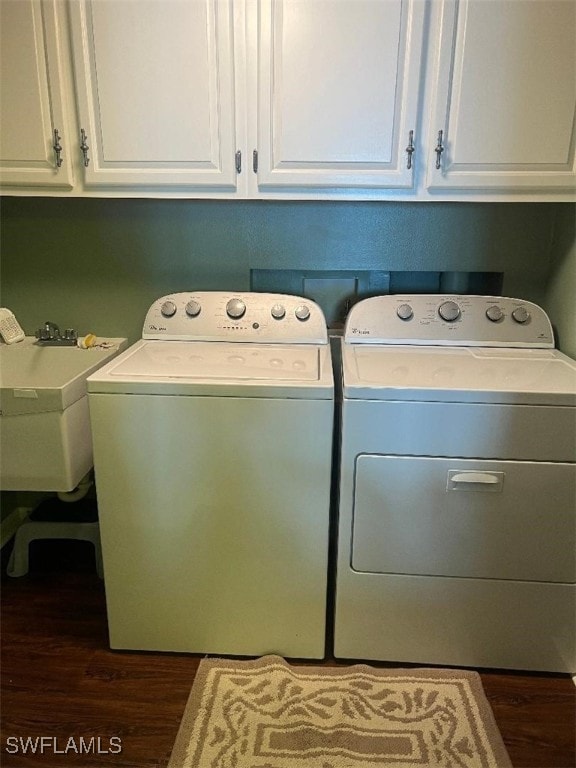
(360, 331)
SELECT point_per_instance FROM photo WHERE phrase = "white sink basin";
(45, 439)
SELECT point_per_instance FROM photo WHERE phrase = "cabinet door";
(155, 87)
(505, 95)
(338, 84)
(31, 104)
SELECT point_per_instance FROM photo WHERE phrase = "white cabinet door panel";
(337, 91)
(506, 95)
(31, 98)
(155, 82)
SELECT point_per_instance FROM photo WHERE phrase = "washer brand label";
(360, 332)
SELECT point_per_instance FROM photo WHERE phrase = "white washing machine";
(457, 509)
(212, 453)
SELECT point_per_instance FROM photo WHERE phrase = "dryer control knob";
(302, 312)
(193, 308)
(449, 311)
(278, 311)
(405, 312)
(494, 313)
(521, 315)
(235, 308)
(168, 309)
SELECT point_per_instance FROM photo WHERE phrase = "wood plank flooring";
(60, 680)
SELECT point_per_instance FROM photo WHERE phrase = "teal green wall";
(560, 298)
(97, 264)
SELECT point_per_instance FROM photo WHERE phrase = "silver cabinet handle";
(439, 149)
(84, 147)
(410, 149)
(238, 161)
(57, 147)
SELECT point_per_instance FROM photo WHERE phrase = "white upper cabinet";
(289, 99)
(156, 93)
(505, 96)
(337, 92)
(33, 123)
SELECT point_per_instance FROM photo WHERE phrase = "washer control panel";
(436, 319)
(223, 316)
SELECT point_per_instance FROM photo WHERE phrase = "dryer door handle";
(474, 480)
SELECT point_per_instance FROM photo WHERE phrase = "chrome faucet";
(49, 335)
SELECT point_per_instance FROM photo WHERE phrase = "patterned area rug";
(269, 714)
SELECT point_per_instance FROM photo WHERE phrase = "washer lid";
(207, 360)
(218, 369)
(459, 374)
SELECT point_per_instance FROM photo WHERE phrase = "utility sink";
(45, 438)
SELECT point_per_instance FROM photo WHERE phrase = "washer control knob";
(193, 308)
(449, 311)
(168, 309)
(494, 313)
(405, 312)
(521, 315)
(302, 312)
(235, 309)
(278, 311)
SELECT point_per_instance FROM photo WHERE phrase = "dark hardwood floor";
(60, 680)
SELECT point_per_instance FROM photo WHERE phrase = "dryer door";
(464, 517)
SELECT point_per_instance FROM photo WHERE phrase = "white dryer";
(457, 509)
(212, 453)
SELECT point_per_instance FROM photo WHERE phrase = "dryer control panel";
(223, 316)
(458, 320)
